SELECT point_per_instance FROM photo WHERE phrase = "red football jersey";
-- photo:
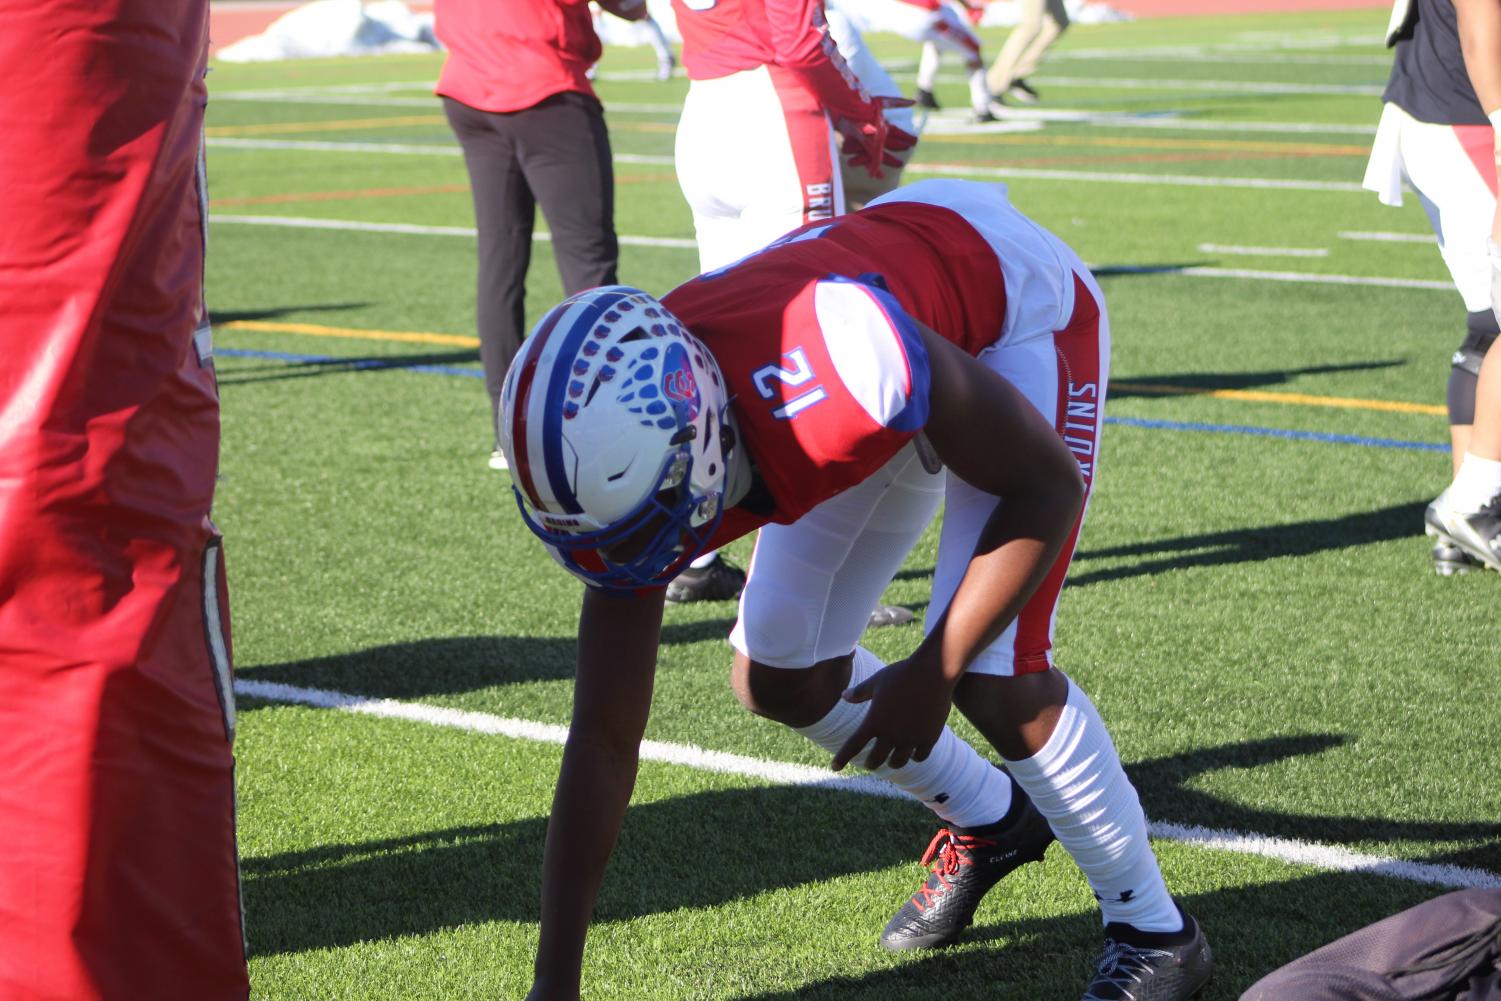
(815, 338)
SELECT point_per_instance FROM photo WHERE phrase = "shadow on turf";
(704, 850)
(457, 664)
(281, 369)
(1246, 545)
(220, 317)
(1190, 383)
(1251, 545)
(1253, 930)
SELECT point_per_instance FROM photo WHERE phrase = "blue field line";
(1334, 439)
(351, 363)
(1139, 422)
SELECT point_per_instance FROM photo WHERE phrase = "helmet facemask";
(621, 463)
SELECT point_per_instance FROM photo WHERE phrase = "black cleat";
(925, 99)
(889, 615)
(1146, 966)
(1022, 92)
(965, 864)
(1477, 534)
(716, 582)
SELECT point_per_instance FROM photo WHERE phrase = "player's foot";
(1449, 559)
(925, 99)
(1021, 92)
(665, 68)
(1477, 534)
(716, 582)
(498, 459)
(992, 112)
(889, 615)
(1147, 966)
(965, 863)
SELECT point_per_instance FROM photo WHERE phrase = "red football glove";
(869, 143)
(976, 12)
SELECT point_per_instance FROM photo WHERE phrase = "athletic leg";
(564, 151)
(504, 213)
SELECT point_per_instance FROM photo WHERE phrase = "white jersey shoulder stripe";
(876, 350)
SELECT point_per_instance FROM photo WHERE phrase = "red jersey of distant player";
(721, 37)
(815, 339)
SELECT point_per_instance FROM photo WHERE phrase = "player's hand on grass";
(909, 704)
(870, 144)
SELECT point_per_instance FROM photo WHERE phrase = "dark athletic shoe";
(965, 864)
(716, 582)
(1022, 92)
(1143, 966)
(889, 615)
(925, 99)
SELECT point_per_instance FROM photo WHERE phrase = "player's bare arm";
(617, 656)
(993, 439)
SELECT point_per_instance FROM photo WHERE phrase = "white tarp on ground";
(998, 13)
(337, 28)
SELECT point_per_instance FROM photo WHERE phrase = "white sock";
(979, 90)
(927, 67)
(1077, 782)
(1477, 483)
(954, 782)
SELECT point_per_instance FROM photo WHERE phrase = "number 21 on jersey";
(798, 373)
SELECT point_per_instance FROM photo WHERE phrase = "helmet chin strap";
(738, 474)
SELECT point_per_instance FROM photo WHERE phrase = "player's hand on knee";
(909, 705)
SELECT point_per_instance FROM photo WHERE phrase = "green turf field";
(1308, 711)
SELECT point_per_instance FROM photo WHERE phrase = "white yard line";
(1120, 177)
(1328, 857)
(1427, 238)
(1218, 86)
(1221, 248)
(408, 229)
(681, 243)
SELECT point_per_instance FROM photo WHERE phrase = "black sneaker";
(889, 615)
(1021, 91)
(966, 863)
(1146, 966)
(925, 99)
(716, 582)
(1478, 534)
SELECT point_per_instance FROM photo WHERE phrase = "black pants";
(556, 154)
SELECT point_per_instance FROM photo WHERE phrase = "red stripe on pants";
(808, 131)
(1079, 411)
(1479, 142)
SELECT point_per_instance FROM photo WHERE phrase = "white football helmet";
(612, 418)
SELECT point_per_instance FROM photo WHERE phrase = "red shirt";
(730, 36)
(826, 372)
(508, 55)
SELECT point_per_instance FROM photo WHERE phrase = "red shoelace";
(946, 853)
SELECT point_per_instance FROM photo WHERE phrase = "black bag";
(1447, 949)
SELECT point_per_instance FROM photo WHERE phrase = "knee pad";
(1479, 336)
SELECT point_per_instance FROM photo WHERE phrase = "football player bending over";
(809, 391)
